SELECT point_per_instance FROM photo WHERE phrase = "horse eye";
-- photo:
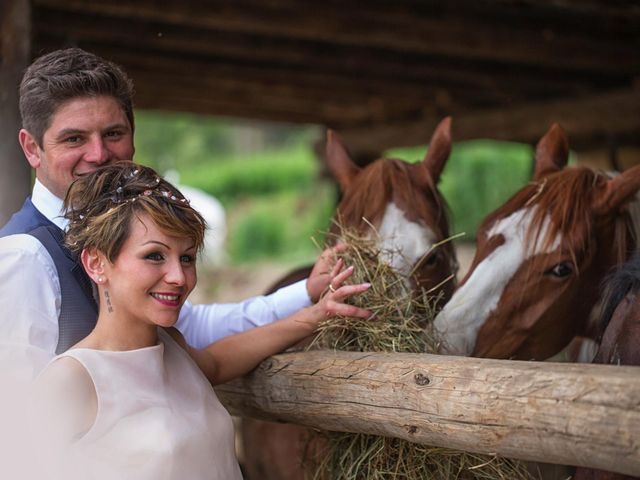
(561, 270)
(432, 259)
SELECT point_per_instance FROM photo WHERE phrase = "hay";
(402, 322)
(349, 456)
(402, 319)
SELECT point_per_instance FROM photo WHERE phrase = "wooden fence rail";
(571, 414)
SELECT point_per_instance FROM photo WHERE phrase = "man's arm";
(29, 306)
(202, 325)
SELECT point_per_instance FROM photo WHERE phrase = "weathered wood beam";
(15, 22)
(279, 95)
(587, 415)
(248, 91)
(219, 47)
(464, 31)
(586, 120)
(438, 88)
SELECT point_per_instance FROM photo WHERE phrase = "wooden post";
(15, 174)
(568, 414)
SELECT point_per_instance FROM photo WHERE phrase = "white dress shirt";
(30, 301)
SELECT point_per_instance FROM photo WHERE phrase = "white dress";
(158, 418)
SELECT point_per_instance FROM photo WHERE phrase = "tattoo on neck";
(108, 299)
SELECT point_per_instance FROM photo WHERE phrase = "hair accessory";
(117, 197)
(132, 173)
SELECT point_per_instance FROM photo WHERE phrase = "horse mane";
(565, 198)
(619, 284)
(384, 181)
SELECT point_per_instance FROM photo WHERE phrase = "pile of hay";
(402, 322)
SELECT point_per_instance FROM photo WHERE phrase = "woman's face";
(152, 276)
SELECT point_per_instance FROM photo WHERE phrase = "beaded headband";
(119, 197)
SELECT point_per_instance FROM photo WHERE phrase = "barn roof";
(383, 73)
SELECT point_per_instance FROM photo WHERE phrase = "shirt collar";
(48, 204)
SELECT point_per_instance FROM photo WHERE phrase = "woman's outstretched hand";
(321, 274)
(331, 303)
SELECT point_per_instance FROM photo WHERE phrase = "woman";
(132, 399)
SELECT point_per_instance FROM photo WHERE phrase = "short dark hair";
(62, 75)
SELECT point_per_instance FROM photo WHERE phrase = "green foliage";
(186, 141)
(280, 225)
(257, 234)
(262, 173)
(180, 141)
(479, 177)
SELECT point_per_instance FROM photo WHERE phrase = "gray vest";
(78, 309)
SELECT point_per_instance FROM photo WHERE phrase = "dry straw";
(402, 322)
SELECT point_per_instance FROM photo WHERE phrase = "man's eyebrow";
(117, 126)
(65, 132)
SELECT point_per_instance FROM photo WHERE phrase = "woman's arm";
(237, 355)
(202, 325)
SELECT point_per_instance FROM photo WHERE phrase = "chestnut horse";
(398, 205)
(620, 327)
(540, 259)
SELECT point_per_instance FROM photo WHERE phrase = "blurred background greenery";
(272, 188)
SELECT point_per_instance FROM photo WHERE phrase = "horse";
(619, 329)
(533, 283)
(398, 205)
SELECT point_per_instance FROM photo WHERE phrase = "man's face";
(84, 133)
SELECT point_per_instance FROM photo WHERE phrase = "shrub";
(292, 169)
(280, 225)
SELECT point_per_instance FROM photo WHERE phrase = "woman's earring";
(100, 279)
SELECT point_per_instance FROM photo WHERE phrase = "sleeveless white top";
(157, 418)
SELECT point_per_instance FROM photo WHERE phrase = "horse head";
(619, 324)
(540, 259)
(398, 205)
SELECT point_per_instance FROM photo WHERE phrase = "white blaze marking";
(403, 243)
(460, 320)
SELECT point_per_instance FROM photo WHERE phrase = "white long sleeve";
(202, 325)
(29, 305)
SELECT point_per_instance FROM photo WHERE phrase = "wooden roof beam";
(587, 121)
(404, 27)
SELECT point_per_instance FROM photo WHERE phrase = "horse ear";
(339, 162)
(552, 152)
(439, 150)
(618, 191)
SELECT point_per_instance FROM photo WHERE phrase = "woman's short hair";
(100, 207)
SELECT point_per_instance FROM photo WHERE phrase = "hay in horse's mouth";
(402, 316)
(402, 322)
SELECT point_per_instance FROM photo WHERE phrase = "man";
(77, 114)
